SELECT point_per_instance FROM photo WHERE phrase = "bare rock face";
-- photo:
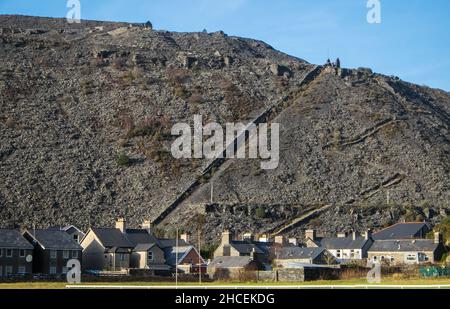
(87, 109)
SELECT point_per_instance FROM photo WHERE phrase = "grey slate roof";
(290, 253)
(139, 236)
(13, 239)
(230, 262)
(245, 247)
(412, 245)
(342, 242)
(402, 231)
(54, 240)
(164, 243)
(143, 247)
(112, 237)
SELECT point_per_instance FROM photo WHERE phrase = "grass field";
(356, 283)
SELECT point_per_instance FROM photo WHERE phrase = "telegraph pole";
(199, 259)
(176, 260)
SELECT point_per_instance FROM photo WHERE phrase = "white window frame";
(75, 254)
(22, 251)
(66, 254)
(52, 270)
(65, 269)
(150, 256)
(53, 254)
(9, 255)
(21, 270)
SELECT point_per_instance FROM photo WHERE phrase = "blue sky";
(412, 42)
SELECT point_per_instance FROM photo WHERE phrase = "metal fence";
(434, 271)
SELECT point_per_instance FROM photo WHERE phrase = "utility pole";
(199, 259)
(176, 260)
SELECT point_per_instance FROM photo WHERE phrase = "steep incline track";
(213, 167)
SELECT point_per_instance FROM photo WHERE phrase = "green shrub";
(181, 92)
(260, 213)
(123, 160)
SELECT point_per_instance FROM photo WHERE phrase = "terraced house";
(52, 250)
(343, 247)
(15, 254)
(122, 248)
(407, 251)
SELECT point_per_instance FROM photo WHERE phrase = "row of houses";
(100, 249)
(120, 248)
(399, 244)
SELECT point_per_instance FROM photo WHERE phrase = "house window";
(53, 254)
(8, 270)
(66, 254)
(52, 270)
(22, 253)
(411, 257)
(150, 256)
(8, 252)
(338, 253)
(75, 254)
(1, 252)
(64, 270)
(75, 237)
(21, 270)
(374, 257)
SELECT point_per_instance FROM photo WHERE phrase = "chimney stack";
(185, 237)
(293, 241)
(438, 238)
(264, 238)
(368, 234)
(341, 234)
(247, 237)
(226, 237)
(281, 240)
(311, 234)
(354, 235)
(121, 224)
(147, 225)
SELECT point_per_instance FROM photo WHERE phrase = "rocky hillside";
(86, 114)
